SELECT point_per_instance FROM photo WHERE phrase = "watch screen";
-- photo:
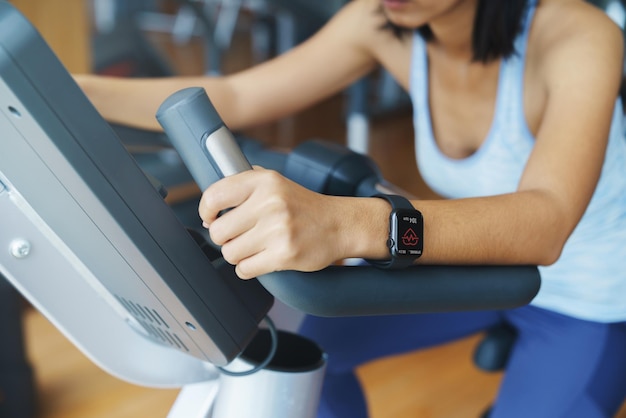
(409, 231)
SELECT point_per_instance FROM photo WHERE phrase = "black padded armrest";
(365, 290)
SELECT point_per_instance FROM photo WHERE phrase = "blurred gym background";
(41, 374)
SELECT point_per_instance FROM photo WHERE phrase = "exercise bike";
(91, 244)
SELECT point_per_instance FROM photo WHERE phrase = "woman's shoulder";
(363, 17)
(569, 23)
(362, 24)
(574, 34)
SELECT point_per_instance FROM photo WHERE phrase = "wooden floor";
(437, 383)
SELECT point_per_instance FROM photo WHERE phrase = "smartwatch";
(406, 233)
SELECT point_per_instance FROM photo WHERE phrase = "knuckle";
(272, 176)
(286, 252)
(244, 272)
(216, 234)
(229, 254)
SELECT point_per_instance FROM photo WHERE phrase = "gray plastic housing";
(61, 163)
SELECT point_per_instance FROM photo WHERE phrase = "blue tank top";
(589, 279)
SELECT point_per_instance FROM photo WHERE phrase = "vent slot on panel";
(153, 323)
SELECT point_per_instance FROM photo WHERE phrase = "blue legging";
(559, 367)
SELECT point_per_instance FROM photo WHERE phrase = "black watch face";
(407, 233)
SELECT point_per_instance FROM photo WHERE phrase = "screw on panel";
(19, 248)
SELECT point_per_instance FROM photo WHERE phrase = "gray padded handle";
(199, 135)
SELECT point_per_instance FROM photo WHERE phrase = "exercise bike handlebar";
(197, 132)
(324, 167)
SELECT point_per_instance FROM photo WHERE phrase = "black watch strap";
(412, 233)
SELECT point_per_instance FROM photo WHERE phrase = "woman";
(517, 122)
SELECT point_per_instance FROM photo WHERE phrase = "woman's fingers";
(227, 193)
(275, 224)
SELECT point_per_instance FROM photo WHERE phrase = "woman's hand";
(277, 224)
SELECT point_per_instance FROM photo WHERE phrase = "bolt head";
(20, 248)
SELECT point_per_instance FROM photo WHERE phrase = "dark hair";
(496, 25)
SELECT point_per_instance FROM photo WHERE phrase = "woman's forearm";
(279, 225)
(526, 227)
(134, 102)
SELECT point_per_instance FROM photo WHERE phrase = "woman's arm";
(278, 225)
(580, 65)
(321, 66)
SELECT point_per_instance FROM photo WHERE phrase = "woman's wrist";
(363, 228)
